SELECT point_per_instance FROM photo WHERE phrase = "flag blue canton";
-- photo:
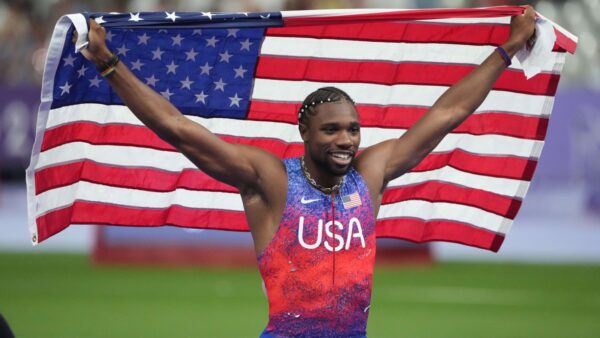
(206, 72)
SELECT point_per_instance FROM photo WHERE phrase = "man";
(312, 219)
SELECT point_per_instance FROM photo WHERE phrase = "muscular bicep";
(234, 164)
(390, 159)
(413, 146)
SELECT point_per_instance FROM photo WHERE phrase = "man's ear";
(303, 128)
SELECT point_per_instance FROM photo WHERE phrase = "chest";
(337, 222)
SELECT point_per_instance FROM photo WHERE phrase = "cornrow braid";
(319, 96)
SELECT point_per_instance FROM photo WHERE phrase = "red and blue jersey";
(318, 267)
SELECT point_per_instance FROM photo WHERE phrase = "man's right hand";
(522, 28)
(96, 51)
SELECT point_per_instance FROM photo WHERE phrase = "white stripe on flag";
(86, 191)
(476, 144)
(172, 161)
(366, 93)
(446, 211)
(384, 51)
(498, 185)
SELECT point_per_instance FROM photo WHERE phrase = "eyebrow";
(337, 124)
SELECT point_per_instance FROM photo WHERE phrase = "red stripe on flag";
(565, 42)
(419, 231)
(152, 179)
(435, 191)
(126, 177)
(139, 136)
(372, 27)
(413, 32)
(83, 212)
(417, 14)
(499, 123)
(496, 166)
(390, 73)
(164, 181)
(94, 133)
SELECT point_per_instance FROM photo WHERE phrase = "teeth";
(343, 156)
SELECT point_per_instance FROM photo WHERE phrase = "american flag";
(352, 200)
(244, 75)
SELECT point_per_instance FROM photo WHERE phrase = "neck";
(328, 184)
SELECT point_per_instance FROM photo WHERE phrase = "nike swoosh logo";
(305, 201)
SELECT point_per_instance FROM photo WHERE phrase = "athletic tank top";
(318, 267)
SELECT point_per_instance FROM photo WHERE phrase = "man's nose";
(344, 140)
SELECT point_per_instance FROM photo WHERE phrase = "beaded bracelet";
(504, 56)
(109, 66)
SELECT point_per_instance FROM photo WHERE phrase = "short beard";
(334, 170)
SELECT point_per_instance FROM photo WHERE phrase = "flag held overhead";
(243, 76)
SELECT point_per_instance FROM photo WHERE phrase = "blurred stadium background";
(542, 283)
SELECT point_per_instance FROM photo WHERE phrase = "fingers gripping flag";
(244, 75)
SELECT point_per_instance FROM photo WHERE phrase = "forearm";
(464, 97)
(395, 157)
(229, 163)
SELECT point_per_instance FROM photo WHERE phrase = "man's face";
(332, 136)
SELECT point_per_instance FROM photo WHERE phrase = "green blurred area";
(51, 295)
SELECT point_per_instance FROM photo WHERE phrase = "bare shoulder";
(264, 198)
(371, 165)
(270, 170)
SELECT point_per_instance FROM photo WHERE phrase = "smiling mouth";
(341, 157)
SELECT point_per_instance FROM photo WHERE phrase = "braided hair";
(319, 96)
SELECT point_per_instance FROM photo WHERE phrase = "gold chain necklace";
(317, 185)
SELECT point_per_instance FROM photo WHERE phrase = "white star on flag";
(206, 69)
(81, 71)
(246, 44)
(151, 81)
(177, 40)
(69, 60)
(123, 50)
(232, 32)
(95, 82)
(65, 88)
(225, 57)
(143, 39)
(239, 72)
(220, 85)
(172, 68)
(135, 17)
(212, 42)
(166, 94)
(157, 54)
(235, 100)
(137, 65)
(201, 97)
(171, 16)
(191, 55)
(186, 83)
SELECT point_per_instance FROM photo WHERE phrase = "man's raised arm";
(385, 161)
(233, 164)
